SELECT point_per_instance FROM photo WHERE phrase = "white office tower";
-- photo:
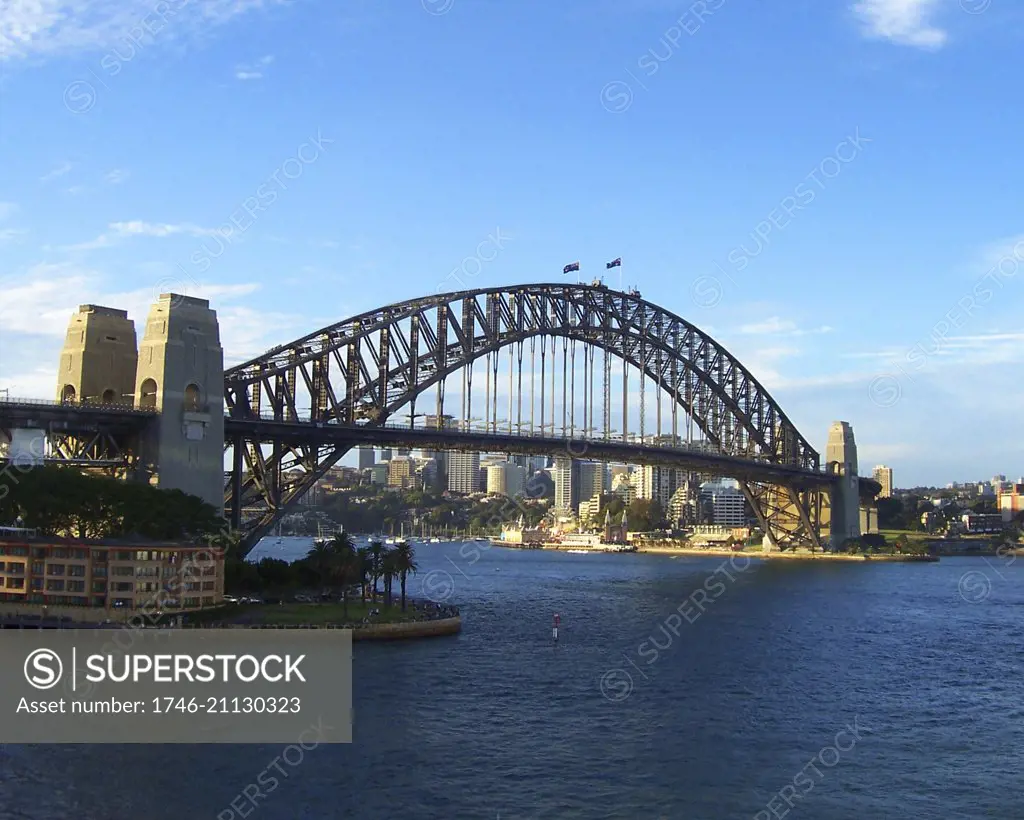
(464, 473)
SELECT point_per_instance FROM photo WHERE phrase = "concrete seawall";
(790, 556)
(410, 629)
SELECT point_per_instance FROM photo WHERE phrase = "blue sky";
(825, 186)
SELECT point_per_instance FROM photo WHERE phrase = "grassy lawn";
(296, 614)
(892, 535)
(331, 613)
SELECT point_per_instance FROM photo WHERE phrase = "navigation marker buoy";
(554, 629)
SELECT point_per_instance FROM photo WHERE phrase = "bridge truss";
(579, 361)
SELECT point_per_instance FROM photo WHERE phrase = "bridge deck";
(68, 418)
(525, 444)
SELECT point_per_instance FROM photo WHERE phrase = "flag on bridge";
(575, 266)
(615, 263)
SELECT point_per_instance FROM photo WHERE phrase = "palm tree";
(377, 553)
(321, 559)
(343, 561)
(405, 562)
(388, 573)
(363, 566)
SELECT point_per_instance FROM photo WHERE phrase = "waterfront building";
(385, 455)
(982, 522)
(1011, 502)
(883, 475)
(464, 473)
(95, 580)
(379, 473)
(366, 457)
(704, 535)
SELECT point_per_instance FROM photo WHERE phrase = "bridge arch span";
(365, 369)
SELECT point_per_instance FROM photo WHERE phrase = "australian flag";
(615, 263)
(575, 266)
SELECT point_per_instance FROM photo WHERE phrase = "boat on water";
(435, 540)
(581, 552)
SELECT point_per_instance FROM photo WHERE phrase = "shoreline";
(790, 556)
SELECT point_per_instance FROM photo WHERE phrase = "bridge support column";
(235, 513)
(844, 499)
(181, 374)
(789, 517)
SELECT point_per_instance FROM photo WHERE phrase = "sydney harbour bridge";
(564, 370)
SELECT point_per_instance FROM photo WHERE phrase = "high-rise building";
(367, 457)
(728, 505)
(464, 473)
(883, 475)
(591, 480)
(385, 455)
(576, 482)
(505, 479)
(562, 473)
(658, 483)
(400, 472)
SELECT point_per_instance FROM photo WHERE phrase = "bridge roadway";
(423, 438)
(55, 417)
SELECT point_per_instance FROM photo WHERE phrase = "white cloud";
(37, 305)
(61, 169)
(116, 177)
(781, 327)
(255, 70)
(118, 231)
(35, 28)
(10, 234)
(8, 209)
(905, 22)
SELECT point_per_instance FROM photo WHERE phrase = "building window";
(55, 569)
(76, 571)
(54, 586)
(192, 398)
(99, 586)
(16, 583)
(147, 394)
(68, 394)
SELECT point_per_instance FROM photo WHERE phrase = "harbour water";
(680, 687)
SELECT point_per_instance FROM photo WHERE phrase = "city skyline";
(821, 251)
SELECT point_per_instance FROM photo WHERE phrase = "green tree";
(377, 553)
(321, 559)
(343, 564)
(645, 515)
(404, 563)
(388, 572)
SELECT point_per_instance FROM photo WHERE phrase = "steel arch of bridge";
(361, 371)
